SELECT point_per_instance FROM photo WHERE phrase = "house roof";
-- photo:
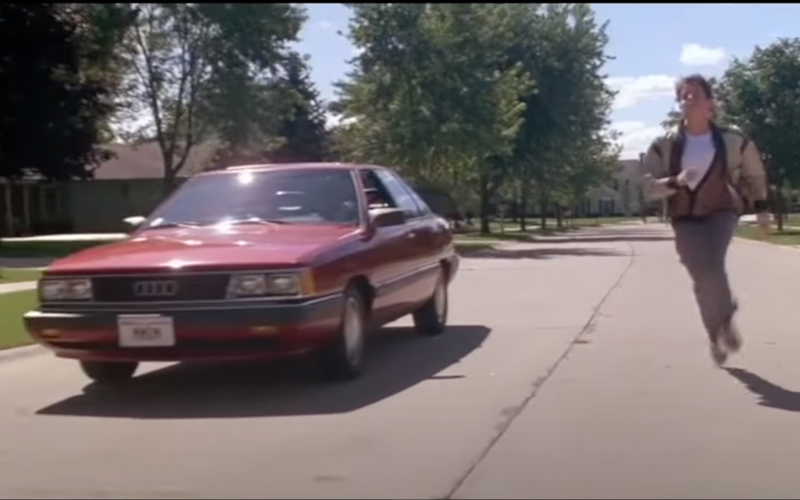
(144, 161)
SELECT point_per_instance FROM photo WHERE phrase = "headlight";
(259, 285)
(65, 289)
(284, 284)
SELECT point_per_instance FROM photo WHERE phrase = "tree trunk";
(485, 205)
(523, 206)
(543, 223)
(559, 218)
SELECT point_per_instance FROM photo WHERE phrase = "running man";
(709, 175)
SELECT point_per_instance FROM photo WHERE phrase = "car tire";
(430, 319)
(343, 359)
(104, 372)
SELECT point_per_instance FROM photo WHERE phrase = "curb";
(17, 353)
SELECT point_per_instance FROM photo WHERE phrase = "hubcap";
(353, 331)
(440, 302)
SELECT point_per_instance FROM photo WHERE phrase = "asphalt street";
(573, 368)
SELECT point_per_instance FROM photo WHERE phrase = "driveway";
(575, 367)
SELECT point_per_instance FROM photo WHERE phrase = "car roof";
(285, 166)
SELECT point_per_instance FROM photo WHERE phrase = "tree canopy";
(478, 96)
(51, 108)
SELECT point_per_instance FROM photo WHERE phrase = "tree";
(301, 129)
(673, 119)
(48, 108)
(561, 48)
(432, 92)
(761, 95)
(99, 30)
(202, 68)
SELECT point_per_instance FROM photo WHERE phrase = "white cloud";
(636, 137)
(633, 90)
(694, 54)
(326, 25)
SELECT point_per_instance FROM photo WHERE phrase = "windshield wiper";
(168, 224)
(255, 220)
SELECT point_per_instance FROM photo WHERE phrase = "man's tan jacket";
(737, 166)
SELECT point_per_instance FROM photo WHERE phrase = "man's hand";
(657, 189)
(686, 177)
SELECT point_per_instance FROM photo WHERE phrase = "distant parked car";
(253, 262)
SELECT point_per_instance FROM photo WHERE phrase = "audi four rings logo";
(155, 288)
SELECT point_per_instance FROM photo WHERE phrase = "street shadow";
(610, 235)
(542, 253)
(609, 238)
(397, 359)
(770, 395)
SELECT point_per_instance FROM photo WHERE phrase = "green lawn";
(13, 306)
(36, 249)
(787, 237)
(8, 275)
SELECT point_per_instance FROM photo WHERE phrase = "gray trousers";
(702, 246)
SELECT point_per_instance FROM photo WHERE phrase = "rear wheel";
(104, 372)
(343, 359)
(431, 318)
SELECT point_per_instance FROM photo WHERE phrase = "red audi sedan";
(253, 262)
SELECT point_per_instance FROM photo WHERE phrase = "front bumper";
(209, 332)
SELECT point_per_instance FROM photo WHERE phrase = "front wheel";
(343, 359)
(431, 318)
(104, 372)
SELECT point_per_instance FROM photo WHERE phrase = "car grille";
(160, 288)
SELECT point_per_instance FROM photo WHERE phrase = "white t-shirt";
(698, 153)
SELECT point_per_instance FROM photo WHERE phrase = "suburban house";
(128, 184)
(620, 196)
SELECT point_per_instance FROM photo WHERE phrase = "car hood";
(242, 246)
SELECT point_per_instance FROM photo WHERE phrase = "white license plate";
(145, 331)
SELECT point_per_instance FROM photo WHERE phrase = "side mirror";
(134, 221)
(385, 217)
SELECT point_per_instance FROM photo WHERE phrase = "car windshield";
(285, 196)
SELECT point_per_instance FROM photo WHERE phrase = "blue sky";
(652, 44)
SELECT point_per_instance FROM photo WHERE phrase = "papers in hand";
(657, 189)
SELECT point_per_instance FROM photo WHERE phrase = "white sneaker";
(719, 352)
(730, 336)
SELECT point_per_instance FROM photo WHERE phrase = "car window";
(375, 193)
(422, 207)
(399, 193)
(291, 196)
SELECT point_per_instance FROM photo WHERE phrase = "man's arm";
(656, 185)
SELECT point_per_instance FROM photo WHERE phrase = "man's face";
(694, 103)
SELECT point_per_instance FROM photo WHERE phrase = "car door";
(388, 255)
(417, 282)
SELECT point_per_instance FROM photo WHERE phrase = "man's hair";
(697, 79)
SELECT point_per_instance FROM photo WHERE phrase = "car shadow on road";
(397, 359)
(542, 253)
(770, 395)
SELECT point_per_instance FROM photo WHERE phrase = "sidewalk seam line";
(539, 382)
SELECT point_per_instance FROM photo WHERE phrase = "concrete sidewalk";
(639, 411)
(17, 287)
